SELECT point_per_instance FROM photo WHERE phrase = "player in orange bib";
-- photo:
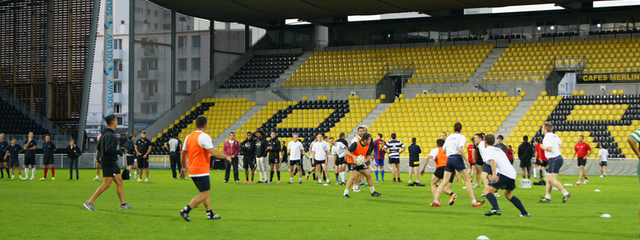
(438, 155)
(197, 148)
(360, 148)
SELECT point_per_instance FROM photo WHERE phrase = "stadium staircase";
(293, 68)
(372, 117)
(512, 121)
(484, 68)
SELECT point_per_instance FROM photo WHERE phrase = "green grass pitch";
(53, 210)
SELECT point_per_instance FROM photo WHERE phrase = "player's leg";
(326, 173)
(492, 199)
(352, 178)
(367, 174)
(604, 169)
(97, 171)
(318, 172)
(291, 172)
(119, 188)
(634, 146)
(478, 169)
(272, 170)
(300, 172)
(415, 172)
(376, 169)
(485, 179)
(277, 166)
(53, 170)
(410, 176)
(106, 183)
(434, 185)
(227, 170)
(393, 170)
(200, 198)
(467, 182)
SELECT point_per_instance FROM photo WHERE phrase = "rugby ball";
(360, 160)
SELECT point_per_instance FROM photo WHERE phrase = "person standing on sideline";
(130, 152)
(273, 148)
(48, 148)
(362, 148)
(231, 148)
(175, 149)
(456, 161)
(414, 162)
(320, 153)
(295, 160)
(525, 152)
(541, 160)
(261, 156)
(98, 157)
(3, 160)
(395, 148)
(504, 177)
(30, 157)
(583, 150)
(342, 143)
(339, 150)
(378, 156)
(440, 158)
(510, 154)
(109, 150)
(285, 153)
(12, 152)
(472, 162)
(197, 148)
(143, 148)
(604, 157)
(248, 148)
(551, 145)
(73, 153)
(501, 145)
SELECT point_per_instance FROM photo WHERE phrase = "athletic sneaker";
(126, 206)
(476, 185)
(237, 181)
(12, 177)
(251, 181)
(326, 184)
(245, 181)
(417, 184)
(394, 181)
(565, 198)
(42, 179)
(215, 216)
(259, 182)
(89, 206)
(356, 190)
(410, 185)
(544, 200)
(477, 204)
(319, 183)
(185, 215)
(525, 215)
(453, 198)
(586, 181)
(290, 183)
(373, 181)
(224, 181)
(278, 181)
(139, 179)
(578, 183)
(307, 176)
(346, 196)
(493, 212)
(497, 194)
(96, 178)
(601, 175)
(435, 204)
(400, 181)
(53, 178)
(482, 195)
(269, 182)
(31, 178)
(146, 180)
(375, 194)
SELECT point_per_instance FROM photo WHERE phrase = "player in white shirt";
(455, 149)
(339, 150)
(551, 145)
(296, 151)
(604, 157)
(504, 178)
(320, 152)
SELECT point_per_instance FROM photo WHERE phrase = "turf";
(53, 210)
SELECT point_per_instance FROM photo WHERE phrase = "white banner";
(107, 104)
(567, 85)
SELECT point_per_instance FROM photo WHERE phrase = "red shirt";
(470, 151)
(540, 153)
(582, 149)
(231, 149)
(510, 154)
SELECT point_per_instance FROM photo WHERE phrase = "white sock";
(535, 173)
(291, 179)
(372, 189)
(355, 187)
(544, 172)
(474, 201)
(300, 180)
(33, 172)
(343, 176)
(565, 193)
(346, 192)
(26, 172)
(436, 201)
(547, 196)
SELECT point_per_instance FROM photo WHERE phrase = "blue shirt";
(394, 147)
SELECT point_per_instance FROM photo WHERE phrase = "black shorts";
(439, 173)
(543, 163)
(504, 183)
(30, 161)
(202, 183)
(319, 162)
(487, 168)
(143, 162)
(48, 160)
(340, 161)
(130, 160)
(479, 163)
(603, 164)
(525, 163)
(353, 167)
(274, 161)
(582, 162)
(249, 162)
(414, 163)
(394, 160)
(295, 162)
(13, 162)
(110, 168)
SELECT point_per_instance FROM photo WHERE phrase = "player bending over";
(357, 149)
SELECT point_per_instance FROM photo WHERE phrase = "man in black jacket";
(273, 147)
(110, 151)
(525, 152)
(248, 150)
(130, 152)
(73, 152)
(261, 155)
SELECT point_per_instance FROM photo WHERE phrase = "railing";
(407, 73)
(570, 62)
(446, 84)
(44, 122)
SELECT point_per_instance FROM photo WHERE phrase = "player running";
(360, 148)
(504, 178)
(197, 148)
(437, 154)
(551, 145)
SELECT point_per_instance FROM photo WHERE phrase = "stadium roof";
(248, 11)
